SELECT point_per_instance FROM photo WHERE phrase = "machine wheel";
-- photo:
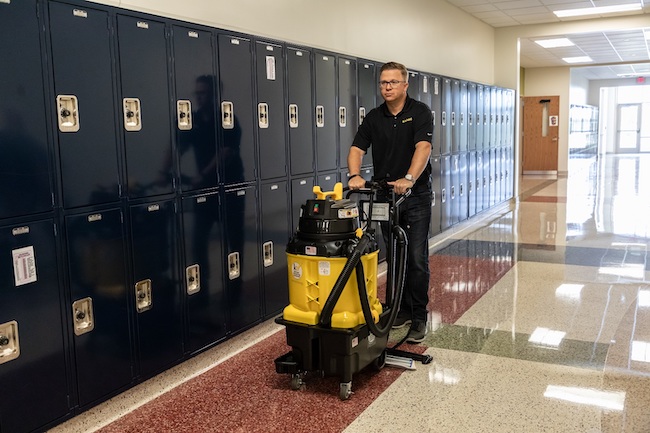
(296, 382)
(379, 362)
(345, 390)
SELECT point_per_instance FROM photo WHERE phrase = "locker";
(480, 108)
(471, 184)
(487, 179)
(145, 111)
(414, 85)
(499, 116)
(445, 117)
(509, 173)
(493, 117)
(97, 279)
(462, 116)
(242, 258)
(455, 116)
(203, 270)
(501, 162)
(424, 84)
(25, 169)
(347, 109)
(493, 177)
(34, 369)
(270, 110)
(436, 96)
(380, 99)
(195, 122)
(478, 181)
(463, 179)
(236, 122)
(471, 116)
(274, 203)
(436, 186)
(446, 215)
(487, 115)
(86, 108)
(326, 181)
(367, 82)
(454, 192)
(326, 112)
(156, 286)
(300, 111)
(301, 191)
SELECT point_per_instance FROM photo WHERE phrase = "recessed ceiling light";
(597, 10)
(582, 59)
(555, 43)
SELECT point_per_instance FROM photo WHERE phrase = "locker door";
(301, 191)
(195, 122)
(274, 203)
(81, 49)
(501, 165)
(145, 111)
(414, 85)
(270, 110)
(326, 112)
(436, 186)
(237, 151)
(493, 117)
(454, 193)
(463, 179)
(436, 94)
(300, 111)
(509, 173)
(445, 117)
(487, 115)
(499, 117)
(326, 181)
(455, 116)
(33, 371)
(480, 106)
(487, 179)
(462, 121)
(156, 287)
(425, 89)
(478, 181)
(380, 99)
(493, 177)
(242, 258)
(25, 170)
(348, 113)
(203, 270)
(471, 184)
(367, 100)
(97, 271)
(445, 193)
(471, 116)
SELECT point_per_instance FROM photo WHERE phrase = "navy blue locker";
(455, 116)
(34, 369)
(326, 113)
(25, 169)
(480, 107)
(195, 121)
(300, 115)
(445, 117)
(242, 258)
(478, 181)
(471, 184)
(97, 279)
(237, 150)
(270, 110)
(462, 116)
(367, 81)
(436, 100)
(146, 114)
(487, 179)
(203, 270)
(81, 48)
(454, 192)
(463, 179)
(301, 191)
(445, 193)
(425, 89)
(414, 85)
(274, 204)
(156, 285)
(436, 204)
(348, 120)
(471, 116)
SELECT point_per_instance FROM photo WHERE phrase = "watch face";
(408, 177)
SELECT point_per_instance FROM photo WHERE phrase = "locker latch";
(193, 279)
(267, 247)
(132, 114)
(343, 117)
(462, 119)
(184, 114)
(433, 198)
(263, 114)
(293, 115)
(470, 186)
(470, 119)
(362, 114)
(320, 116)
(433, 116)
(9, 345)
(143, 295)
(443, 198)
(453, 192)
(233, 265)
(68, 113)
(461, 190)
(444, 118)
(227, 115)
(83, 316)
(453, 118)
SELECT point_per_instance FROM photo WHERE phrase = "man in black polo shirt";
(400, 132)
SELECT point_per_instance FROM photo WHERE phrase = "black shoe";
(401, 321)
(417, 332)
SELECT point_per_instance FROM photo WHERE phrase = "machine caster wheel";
(345, 390)
(379, 362)
(296, 382)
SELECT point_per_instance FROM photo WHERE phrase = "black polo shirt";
(393, 140)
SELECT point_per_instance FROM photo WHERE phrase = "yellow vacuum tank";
(327, 232)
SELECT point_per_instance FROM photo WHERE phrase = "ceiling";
(618, 52)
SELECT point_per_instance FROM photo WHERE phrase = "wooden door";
(540, 133)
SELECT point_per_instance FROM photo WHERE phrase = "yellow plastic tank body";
(312, 278)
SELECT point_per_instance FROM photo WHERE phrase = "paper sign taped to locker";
(24, 265)
(270, 68)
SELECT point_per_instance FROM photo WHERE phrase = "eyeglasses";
(391, 83)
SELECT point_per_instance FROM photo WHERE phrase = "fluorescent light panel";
(597, 10)
(582, 59)
(555, 43)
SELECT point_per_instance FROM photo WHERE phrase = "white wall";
(425, 35)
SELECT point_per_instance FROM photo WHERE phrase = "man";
(400, 131)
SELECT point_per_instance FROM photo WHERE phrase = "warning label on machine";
(24, 265)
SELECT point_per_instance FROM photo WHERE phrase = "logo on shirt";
(408, 119)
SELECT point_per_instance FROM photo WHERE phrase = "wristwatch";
(409, 176)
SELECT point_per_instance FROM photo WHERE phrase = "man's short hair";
(398, 66)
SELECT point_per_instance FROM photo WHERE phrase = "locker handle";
(470, 119)
(470, 186)
(343, 117)
(320, 116)
(263, 115)
(433, 116)
(193, 279)
(267, 249)
(227, 115)
(233, 266)
(68, 113)
(362, 114)
(453, 192)
(462, 119)
(143, 295)
(84, 320)
(453, 118)
(460, 190)
(293, 115)
(184, 114)
(443, 119)
(433, 199)
(132, 114)
(443, 199)
(9, 342)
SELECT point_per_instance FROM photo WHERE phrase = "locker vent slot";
(132, 114)
(9, 344)
(184, 114)
(263, 115)
(227, 115)
(83, 316)
(193, 279)
(320, 116)
(343, 117)
(267, 247)
(68, 113)
(143, 295)
(233, 266)
(293, 116)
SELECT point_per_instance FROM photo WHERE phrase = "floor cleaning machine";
(335, 322)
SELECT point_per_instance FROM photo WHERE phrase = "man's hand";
(400, 186)
(356, 182)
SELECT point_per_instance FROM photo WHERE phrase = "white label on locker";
(269, 48)
(270, 67)
(366, 66)
(303, 182)
(234, 41)
(311, 250)
(425, 84)
(79, 13)
(193, 34)
(296, 270)
(298, 53)
(94, 217)
(240, 193)
(347, 62)
(143, 25)
(325, 58)
(24, 265)
(153, 207)
(20, 231)
(324, 268)
(274, 187)
(201, 200)
(5, 1)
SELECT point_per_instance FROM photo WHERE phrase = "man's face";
(392, 92)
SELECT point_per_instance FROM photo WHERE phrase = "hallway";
(539, 315)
